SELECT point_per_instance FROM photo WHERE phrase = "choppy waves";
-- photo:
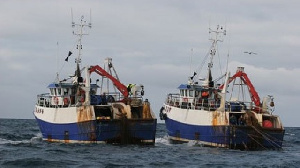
(21, 145)
(32, 140)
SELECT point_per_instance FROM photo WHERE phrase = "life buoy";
(56, 100)
(66, 101)
(185, 99)
(82, 96)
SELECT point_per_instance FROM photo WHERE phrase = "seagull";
(250, 52)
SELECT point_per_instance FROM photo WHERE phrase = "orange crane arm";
(121, 87)
(254, 95)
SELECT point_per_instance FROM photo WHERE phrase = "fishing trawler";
(218, 114)
(75, 111)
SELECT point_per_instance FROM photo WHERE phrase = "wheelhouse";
(64, 94)
(195, 97)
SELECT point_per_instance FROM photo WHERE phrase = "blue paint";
(230, 136)
(96, 130)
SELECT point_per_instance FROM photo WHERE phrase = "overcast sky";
(150, 42)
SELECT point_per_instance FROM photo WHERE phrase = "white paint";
(56, 115)
(194, 117)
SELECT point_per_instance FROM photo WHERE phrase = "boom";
(241, 74)
(122, 88)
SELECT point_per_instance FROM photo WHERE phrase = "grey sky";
(150, 42)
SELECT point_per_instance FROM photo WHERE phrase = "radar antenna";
(79, 32)
(213, 49)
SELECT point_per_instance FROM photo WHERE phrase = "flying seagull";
(250, 52)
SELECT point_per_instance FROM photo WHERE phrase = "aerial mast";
(215, 39)
(79, 32)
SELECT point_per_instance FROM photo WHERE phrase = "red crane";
(241, 74)
(121, 87)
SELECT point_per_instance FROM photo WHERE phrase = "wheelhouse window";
(191, 93)
(66, 91)
(52, 91)
(181, 93)
(59, 91)
(196, 93)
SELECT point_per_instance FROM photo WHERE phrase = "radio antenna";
(80, 32)
(90, 24)
(73, 23)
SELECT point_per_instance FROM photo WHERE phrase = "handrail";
(209, 104)
(48, 100)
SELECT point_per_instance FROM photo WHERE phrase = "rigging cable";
(203, 62)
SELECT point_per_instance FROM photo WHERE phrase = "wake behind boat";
(75, 111)
(211, 114)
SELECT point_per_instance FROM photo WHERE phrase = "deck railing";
(47, 100)
(209, 104)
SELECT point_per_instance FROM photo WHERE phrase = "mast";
(215, 38)
(79, 33)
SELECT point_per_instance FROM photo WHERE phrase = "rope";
(264, 136)
(267, 137)
(250, 135)
(203, 62)
(253, 138)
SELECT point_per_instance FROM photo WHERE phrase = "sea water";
(21, 145)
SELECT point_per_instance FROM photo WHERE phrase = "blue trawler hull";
(228, 136)
(121, 131)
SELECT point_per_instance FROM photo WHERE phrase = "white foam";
(163, 140)
(6, 141)
(35, 139)
(194, 143)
